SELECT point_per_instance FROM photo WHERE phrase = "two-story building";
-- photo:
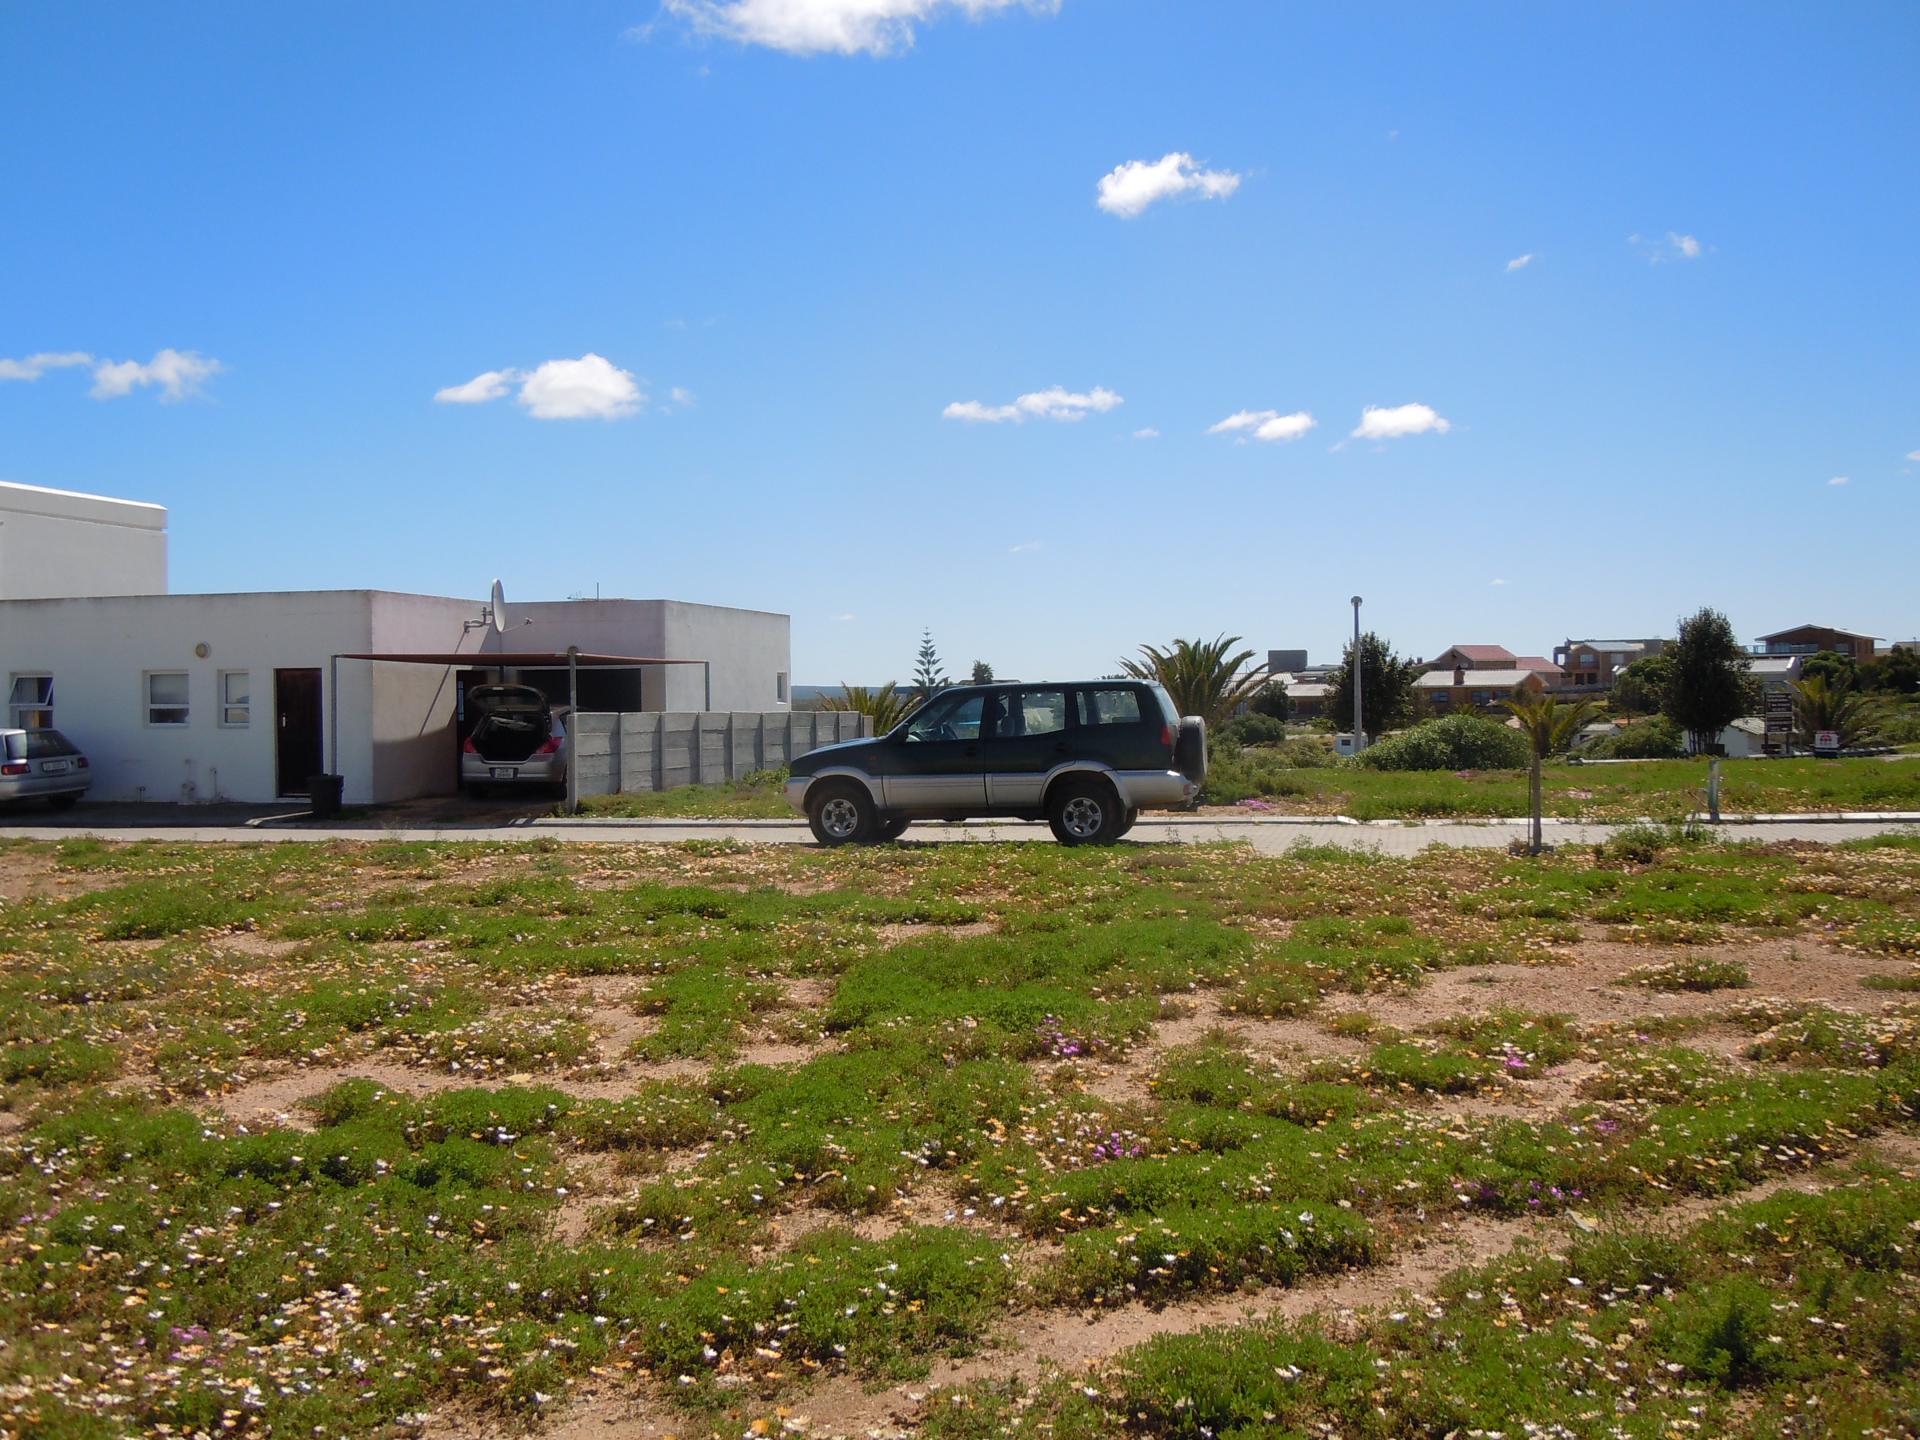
(1589, 666)
(1475, 690)
(1814, 639)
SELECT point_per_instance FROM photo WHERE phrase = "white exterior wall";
(58, 542)
(99, 650)
(747, 648)
(395, 721)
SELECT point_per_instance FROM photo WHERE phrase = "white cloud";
(1053, 404)
(1914, 455)
(1146, 432)
(681, 396)
(178, 373)
(1127, 190)
(840, 27)
(1839, 480)
(1490, 582)
(850, 616)
(1379, 422)
(590, 388)
(486, 386)
(34, 366)
(1675, 247)
(1265, 425)
(1025, 547)
(1520, 262)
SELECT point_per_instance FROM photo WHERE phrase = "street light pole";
(1359, 732)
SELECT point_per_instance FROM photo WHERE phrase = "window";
(1032, 712)
(1441, 699)
(780, 686)
(30, 702)
(166, 697)
(1483, 697)
(236, 699)
(1111, 707)
(949, 719)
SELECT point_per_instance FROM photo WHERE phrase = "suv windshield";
(954, 719)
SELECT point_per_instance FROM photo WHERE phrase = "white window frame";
(228, 707)
(14, 707)
(147, 707)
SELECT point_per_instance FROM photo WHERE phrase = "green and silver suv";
(1086, 755)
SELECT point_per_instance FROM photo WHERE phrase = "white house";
(247, 696)
(60, 542)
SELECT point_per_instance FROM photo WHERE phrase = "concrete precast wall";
(663, 749)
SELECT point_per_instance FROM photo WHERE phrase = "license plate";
(499, 774)
(53, 767)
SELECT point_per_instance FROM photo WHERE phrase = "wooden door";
(298, 751)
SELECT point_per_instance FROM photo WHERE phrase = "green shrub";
(1253, 728)
(1457, 742)
(1655, 739)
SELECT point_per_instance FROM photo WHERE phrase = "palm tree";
(1200, 675)
(1820, 703)
(1549, 727)
(882, 704)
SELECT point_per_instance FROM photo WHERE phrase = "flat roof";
(510, 659)
(80, 505)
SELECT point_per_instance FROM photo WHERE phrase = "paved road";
(1269, 836)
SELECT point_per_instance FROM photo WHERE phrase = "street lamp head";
(1356, 602)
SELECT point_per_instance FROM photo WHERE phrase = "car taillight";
(467, 747)
(551, 747)
(1166, 735)
(79, 762)
(16, 769)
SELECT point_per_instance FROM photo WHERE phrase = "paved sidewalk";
(1268, 835)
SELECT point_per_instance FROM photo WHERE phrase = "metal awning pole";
(573, 729)
(706, 669)
(333, 714)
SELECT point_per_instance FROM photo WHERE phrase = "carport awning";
(514, 659)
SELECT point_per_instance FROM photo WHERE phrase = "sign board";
(1826, 742)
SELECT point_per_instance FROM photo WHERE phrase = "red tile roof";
(1478, 653)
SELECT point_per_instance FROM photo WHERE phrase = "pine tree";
(927, 674)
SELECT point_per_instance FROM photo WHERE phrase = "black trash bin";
(324, 794)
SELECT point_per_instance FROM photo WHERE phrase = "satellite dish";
(499, 608)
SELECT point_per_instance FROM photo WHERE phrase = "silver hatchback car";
(518, 738)
(42, 765)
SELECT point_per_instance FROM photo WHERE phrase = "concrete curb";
(635, 822)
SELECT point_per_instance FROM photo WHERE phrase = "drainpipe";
(573, 729)
(333, 714)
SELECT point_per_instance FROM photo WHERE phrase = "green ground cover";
(725, 1126)
(1657, 789)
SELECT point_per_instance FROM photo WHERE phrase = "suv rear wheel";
(840, 813)
(891, 829)
(1084, 812)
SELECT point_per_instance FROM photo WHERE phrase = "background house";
(1813, 639)
(1588, 666)
(1478, 691)
(1474, 657)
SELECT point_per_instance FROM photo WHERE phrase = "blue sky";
(350, 210)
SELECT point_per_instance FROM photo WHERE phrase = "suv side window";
(1111, 707)
(949, 720)
(1039, 712)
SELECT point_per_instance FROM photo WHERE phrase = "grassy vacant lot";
(389, 1140)
(1660, 789)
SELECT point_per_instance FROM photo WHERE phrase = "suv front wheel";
(1085, 812)
(841, 813)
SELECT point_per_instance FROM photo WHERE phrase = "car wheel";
(1084, 812)
(62, 802)
(1128, 821)
(840, 814)
(891, 829)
